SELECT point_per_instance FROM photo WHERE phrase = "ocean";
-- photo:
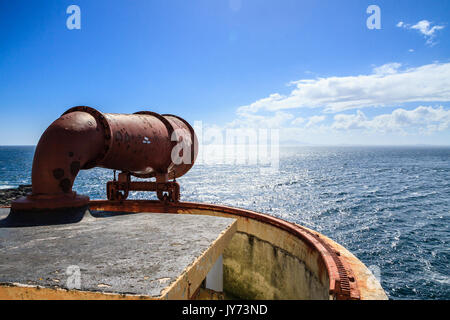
(390, 206)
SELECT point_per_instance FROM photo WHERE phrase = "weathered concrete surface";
(138, 254)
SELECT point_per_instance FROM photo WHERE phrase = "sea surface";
(390, 206)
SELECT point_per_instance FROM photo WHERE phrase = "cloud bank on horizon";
(334, 97)
(386, 86)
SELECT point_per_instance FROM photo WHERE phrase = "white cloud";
(424, 124)
(386, 86)
(424, 118)
(388, 68)
(247, 120)
(314, 120)
(297, 121)
(424, 27)
(350, 121)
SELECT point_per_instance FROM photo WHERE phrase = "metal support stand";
(166, 191)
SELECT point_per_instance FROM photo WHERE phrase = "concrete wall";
(255, 269)
(266, 262)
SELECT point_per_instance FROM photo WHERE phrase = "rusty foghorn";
(143, 144)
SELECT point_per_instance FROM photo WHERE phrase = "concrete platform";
(145, 255)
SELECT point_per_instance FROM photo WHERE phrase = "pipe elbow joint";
(72, 142)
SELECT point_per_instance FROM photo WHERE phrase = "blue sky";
(310, 68)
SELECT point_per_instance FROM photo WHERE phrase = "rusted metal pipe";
(144, 144)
